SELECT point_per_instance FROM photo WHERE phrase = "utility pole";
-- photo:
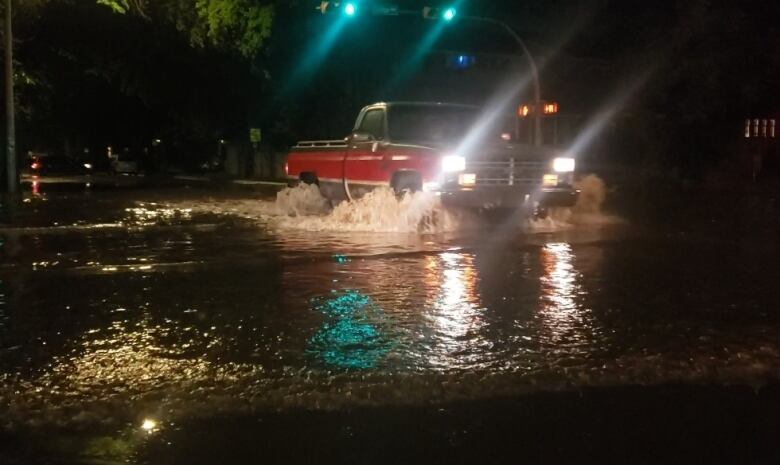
(12, 176)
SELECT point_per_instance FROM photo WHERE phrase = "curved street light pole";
(537, 117)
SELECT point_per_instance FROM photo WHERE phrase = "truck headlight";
(563, 165)
(453, 163)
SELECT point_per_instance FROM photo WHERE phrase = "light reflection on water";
(126, 358)
(352, 335)
(454, 314)
(559, 313)
(167, 316)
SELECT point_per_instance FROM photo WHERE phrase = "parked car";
(43, 164)
(124, 163)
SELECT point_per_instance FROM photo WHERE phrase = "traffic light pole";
(12, 179)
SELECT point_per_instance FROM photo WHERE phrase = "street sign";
(255, 135)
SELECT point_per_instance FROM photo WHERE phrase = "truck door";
(364, 166)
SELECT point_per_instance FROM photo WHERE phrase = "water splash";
(589, 206)
(303, 208)
(588, 211)
(303, 200)
(378, 211)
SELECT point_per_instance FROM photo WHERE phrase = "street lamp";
(537, 117)
(449, 14)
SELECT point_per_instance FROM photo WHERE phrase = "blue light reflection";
(352, 336)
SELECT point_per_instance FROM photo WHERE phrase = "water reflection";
(149, 213)
(126, 358)
(456, 316)
(352, 334)
(564, 321)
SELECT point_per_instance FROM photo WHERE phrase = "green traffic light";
(350, 9)
(449, 14)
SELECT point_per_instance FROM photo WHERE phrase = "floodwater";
(130, 308)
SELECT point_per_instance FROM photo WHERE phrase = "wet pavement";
(133, 320)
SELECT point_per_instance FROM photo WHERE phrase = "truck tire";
(404, 181)
(308, 177)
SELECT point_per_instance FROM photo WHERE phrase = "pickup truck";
(459, 152)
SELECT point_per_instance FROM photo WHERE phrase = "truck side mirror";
(362, 137)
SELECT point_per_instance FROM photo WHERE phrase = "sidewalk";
(240, 182)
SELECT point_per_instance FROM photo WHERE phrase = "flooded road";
(120, 306)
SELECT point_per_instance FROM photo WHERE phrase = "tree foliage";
(241, 25)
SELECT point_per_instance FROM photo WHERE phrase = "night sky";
(677, 78)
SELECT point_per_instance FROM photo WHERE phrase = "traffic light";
(447, 14)
(346, 8)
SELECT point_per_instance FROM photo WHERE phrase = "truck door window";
(373, 123)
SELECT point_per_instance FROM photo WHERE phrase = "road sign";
(255, 135)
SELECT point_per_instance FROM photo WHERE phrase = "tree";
(242, 25)
(89, 76)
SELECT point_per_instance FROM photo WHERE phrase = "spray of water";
(378, 211)
(587, 211)
(303, 200)
(303, 208)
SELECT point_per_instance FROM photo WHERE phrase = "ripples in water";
(171, 318)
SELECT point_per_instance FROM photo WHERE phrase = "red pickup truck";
(460, 152)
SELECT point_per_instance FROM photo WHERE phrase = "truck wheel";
(406, 181)
(309, 178)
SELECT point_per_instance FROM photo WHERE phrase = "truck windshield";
(422, 123)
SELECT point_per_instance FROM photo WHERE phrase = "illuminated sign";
(760, 128)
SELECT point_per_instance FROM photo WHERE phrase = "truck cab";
(464, 154)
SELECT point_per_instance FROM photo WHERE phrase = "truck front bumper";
(503, 197)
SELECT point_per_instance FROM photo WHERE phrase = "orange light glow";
(523, 111)
(550, 108)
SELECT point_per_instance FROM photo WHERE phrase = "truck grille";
(507, 173)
